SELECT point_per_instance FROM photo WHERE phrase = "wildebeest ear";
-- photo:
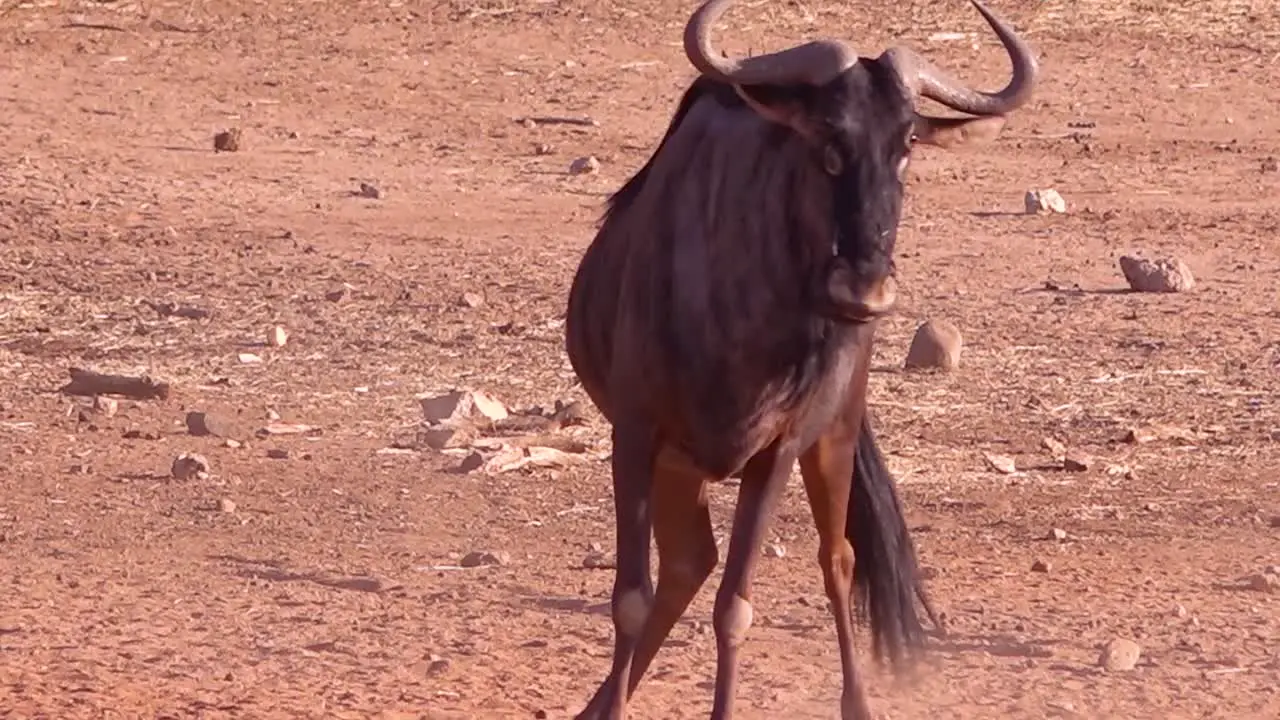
(957, 132)
(778, 106)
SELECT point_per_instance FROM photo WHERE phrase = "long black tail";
(886, 578)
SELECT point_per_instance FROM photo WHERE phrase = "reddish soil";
(312, 593)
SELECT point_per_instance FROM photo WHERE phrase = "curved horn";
(924, 78)
(813, 63)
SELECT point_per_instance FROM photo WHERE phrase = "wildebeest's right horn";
(924, 78)
(814, 63)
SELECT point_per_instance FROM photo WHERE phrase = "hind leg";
(686, 551)
(634, 448)
(827, 468)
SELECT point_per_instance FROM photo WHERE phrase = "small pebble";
(105, 405)
(598, 561)
(1157, 275)
(586, 165)
(227, 141)
(200, 424)
(1076, 461)
(278, 336)
(1120, 655)
(1040, 566)
(936, 345)
(1044, 201)
(190, 465)
(481, 558)
(1264, 582)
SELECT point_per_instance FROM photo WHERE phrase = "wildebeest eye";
(831, 160)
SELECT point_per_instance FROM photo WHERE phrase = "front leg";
(763, 481)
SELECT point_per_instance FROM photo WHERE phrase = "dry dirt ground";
(325, 583)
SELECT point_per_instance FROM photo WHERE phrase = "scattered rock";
(279, 428)
(515, 458)
(471, 299)
(137, 434)
(1124, 471)
(1159, 275)
(278, 454)
(473, 461)
(200, 424)
(226, 506)
(233, 444)
(1120, 655)
(108, 407)
(1179, 610)
(278, 336)
(1140, 436)
(1001, 463)
(1063, 707)
(586, 165)
(1056, 448)
(369, 191)
(481, 558)
(1040, 566)
(598, 561)
(249, 358)
(1044, 201)
(337, 294)
(1076, 461)
(190, 465)
(936, 344)
(1058, 534)
(774, 550)
(462, 405)
(442, 438)
(1263, 582)
(543, 149)
(570, 414)
(1143, 435)
(227, 140)
(183, 311)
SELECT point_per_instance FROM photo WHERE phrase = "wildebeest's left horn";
(814, 63)
(924, 78)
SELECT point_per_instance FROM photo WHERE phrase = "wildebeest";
(722, 321)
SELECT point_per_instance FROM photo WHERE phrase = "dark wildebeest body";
(723, 318)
